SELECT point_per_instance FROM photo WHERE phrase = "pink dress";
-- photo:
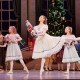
(13, 50)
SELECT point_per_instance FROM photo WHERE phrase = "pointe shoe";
(41, 71)
(66, 72)
(10, 72)
(26, 70)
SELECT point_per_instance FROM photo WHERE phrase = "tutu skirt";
(70, 55)
(47, 45)
(13, 52)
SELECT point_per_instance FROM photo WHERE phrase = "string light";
(55, 17)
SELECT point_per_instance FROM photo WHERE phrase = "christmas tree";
(56, 18)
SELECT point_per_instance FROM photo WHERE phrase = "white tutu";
(70, 54)
(13, 50)
(47, 45)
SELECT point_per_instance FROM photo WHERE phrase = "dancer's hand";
(77, 38)
(16, 40)
(68, 46)
(75, 42)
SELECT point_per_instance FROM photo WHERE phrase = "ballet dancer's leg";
(23, 64)
(68, 68)
(11, 67)
(42, 65)
(73, 66)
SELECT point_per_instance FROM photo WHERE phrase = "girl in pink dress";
(13, 50)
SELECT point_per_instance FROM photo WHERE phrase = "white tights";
(21, 61)
(68, 67)
(42, 65)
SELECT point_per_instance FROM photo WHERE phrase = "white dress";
(46, 45)
(70, 54)
(13, 50)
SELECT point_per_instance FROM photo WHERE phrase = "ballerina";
(45, 45)
(70, 54)
(13, 50)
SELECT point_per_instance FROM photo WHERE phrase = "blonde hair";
(45, 21)
(70, 28)
(13, 29)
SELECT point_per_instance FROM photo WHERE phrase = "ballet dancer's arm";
(18, 38)
(70, 39)
(33, 32)
(78, 38)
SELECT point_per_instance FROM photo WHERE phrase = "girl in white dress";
(70, 54)
(13, 50)
(45, 45)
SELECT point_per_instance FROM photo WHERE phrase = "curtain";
(17, 7)
(17, 12)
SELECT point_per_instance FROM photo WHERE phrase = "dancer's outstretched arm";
(70, 39)
(78, 38)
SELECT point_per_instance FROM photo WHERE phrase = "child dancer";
(45, 45)
(70, 54)
(13, 50)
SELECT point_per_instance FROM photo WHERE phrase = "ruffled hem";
(66, 60)
(13, 58)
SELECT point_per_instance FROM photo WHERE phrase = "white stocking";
(68, 67)
(42, 65)
(23, 64)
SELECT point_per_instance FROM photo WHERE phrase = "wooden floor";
(54, 75)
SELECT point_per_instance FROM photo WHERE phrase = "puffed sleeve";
(17, 36)
(46, 27)
(63, 36)
(6, 36)
(35, 27)
(73, 36)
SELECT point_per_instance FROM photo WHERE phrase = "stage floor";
(22, 75)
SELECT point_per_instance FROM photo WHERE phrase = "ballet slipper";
(10, 72)
(26, 70)
(41, 71)
(66, 72)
